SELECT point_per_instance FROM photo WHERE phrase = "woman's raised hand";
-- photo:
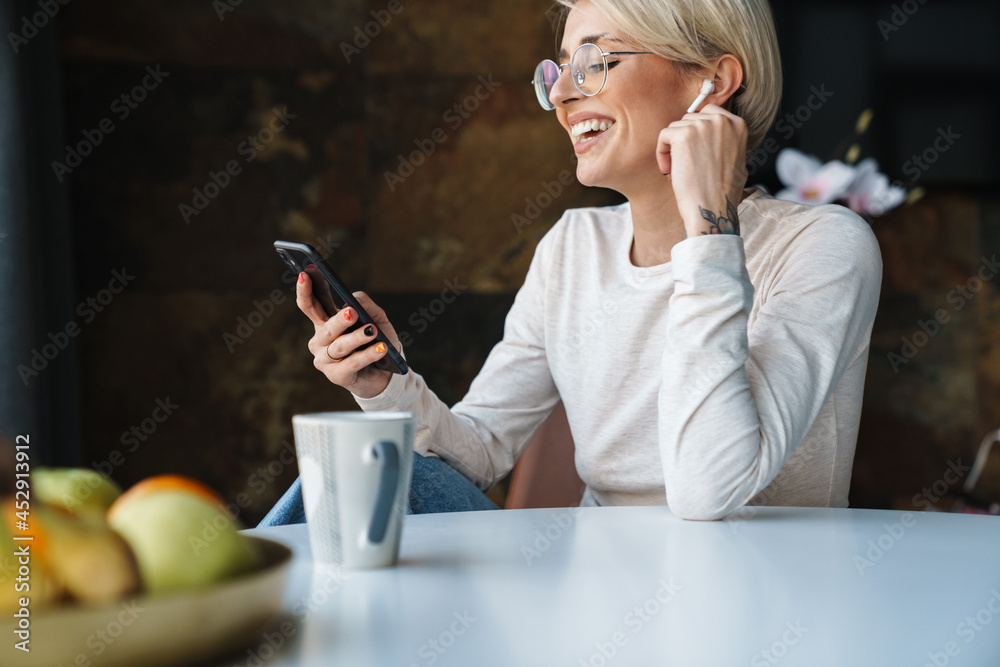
(705, 155)
(335, 353)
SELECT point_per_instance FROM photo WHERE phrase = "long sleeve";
(483, 435)
(733, 406)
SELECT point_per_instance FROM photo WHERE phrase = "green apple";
(181, 540)
(81, 491)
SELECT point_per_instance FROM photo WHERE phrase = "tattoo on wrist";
(730, 224)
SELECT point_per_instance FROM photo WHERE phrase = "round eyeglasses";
(588, 69)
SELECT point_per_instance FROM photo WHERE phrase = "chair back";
(545, 475)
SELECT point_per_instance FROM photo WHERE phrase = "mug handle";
(387, 454)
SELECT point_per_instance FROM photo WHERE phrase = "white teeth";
(590, 126)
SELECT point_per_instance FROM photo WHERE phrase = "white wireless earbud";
(707, 88)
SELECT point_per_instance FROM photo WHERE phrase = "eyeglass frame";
(604, 58)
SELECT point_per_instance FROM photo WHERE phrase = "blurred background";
(152, 151)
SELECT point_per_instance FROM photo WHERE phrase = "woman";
(709, 342)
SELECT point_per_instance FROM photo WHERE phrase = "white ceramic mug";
(355, 469)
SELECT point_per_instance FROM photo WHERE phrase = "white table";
(638, 586)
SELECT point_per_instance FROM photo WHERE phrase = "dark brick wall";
(321, 179)
(931, 399)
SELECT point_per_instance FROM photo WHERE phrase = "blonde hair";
(693, 33)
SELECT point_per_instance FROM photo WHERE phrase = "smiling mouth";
(588, 129)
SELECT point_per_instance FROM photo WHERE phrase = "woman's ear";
(728, 79)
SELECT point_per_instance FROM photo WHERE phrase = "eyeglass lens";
(545, 78)
(586, 69)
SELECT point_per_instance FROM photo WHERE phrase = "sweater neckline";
(642, 272)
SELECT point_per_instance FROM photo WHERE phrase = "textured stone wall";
(334, 168)
(933, 385)
(330, 175)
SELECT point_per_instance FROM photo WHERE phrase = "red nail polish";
(349, 315)
(302, 278)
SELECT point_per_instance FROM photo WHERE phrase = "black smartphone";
(334, 296)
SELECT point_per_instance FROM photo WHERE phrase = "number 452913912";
(21, 472)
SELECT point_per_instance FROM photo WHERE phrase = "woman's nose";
(563, 90)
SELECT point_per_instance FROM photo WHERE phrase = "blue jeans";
(435, 487)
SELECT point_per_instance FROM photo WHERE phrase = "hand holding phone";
(354, 346)
(341, 349)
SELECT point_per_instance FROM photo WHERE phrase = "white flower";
(809, 181)
(871, 193)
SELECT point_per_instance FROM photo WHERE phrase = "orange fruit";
(160, 483)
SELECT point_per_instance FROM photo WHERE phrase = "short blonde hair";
(693, 33)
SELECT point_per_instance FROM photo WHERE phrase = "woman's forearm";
(733, 405)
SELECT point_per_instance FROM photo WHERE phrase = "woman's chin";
(591, 178)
